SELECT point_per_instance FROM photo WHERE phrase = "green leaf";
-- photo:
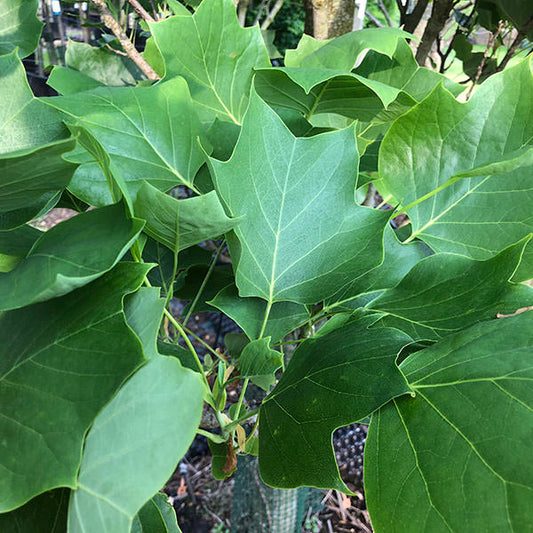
(249, 313)
(445, 293)
(153, 145)
(215, 55)
(156, 516)
(303, 237)
(259, 363)
(19, 26)
(345, 51)
(398, 261)
(46, 513)
(381, 88)
(456, 456)
(184, 355)
(15, 244)
(189, 282)
(55, 381)
(31, 179)
(428, 154)
(98, 64)
(223, 459)
(179, 224)
(331, 381)
(64, 257)
(25, 121)
(150, 423)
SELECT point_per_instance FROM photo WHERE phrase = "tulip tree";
(414, 330)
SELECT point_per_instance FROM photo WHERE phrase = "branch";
(129, 48)
(383, 9)
(141, 11)
(520, 36)
(439, 15)
(413, 19)
(490, 44)
(270, 17)
(373, 19)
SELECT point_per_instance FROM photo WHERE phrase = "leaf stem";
(265, 320)
(204, 283)
(179, 328)
(241, 395)
(202, 342)
(235, 423)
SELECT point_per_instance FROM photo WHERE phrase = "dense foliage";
(99, 402)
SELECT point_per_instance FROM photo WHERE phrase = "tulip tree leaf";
(95, 66)
(179, 224)
(454, 456)
(344, 51)
(150, 423)
(31, 179)
(55, 381)
(259, 362)
(331, 381)
(25, 121)
(46, 513)
(15, 244)
(64, 258)
(398, 261)
(303, 237)
(19, 26)
(249, 313)
(429, 154)
(445, 293)
(156, 516)
(215, 55)
(155, 126)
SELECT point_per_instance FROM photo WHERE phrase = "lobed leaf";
(304, 237)
(54, 382)
(215, 55)
(445, 293)
(331, 381)
(20, 28)
(249, 313)
(462, 171)
(456, 456)
(64, 258)
(142, 141)
(138, 438)
(179, 224)
(25, 121)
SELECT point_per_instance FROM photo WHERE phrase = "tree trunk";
(439, 15)
(325, 19)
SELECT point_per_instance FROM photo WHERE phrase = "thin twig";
(490, 44)
(373, 19)
(129, 48)
(141, 11)
(115, 51)
(383, 9)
